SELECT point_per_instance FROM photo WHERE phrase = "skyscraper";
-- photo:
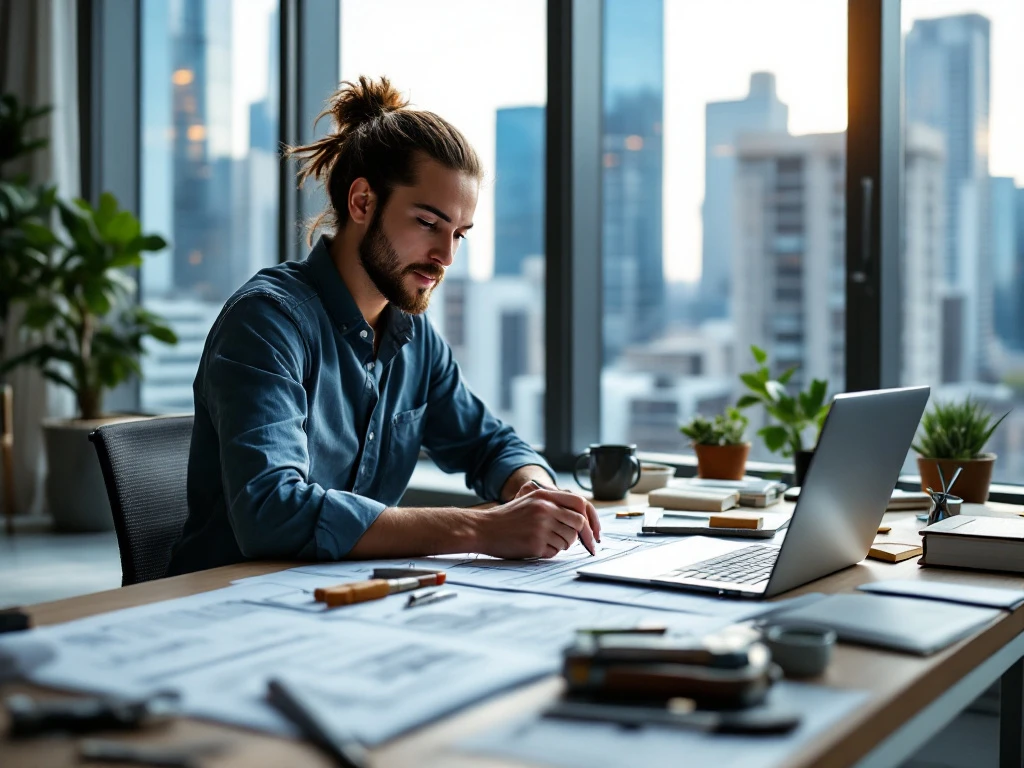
(519, 188)
(1005, 261)
(760, 112)
(634, 281)
(202, 166)
(947, 88)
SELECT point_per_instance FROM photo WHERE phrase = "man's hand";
(539, 522)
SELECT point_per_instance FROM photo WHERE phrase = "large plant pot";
(75, 494)
(722, 462)
(972, 485)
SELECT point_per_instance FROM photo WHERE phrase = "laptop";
(861, 449)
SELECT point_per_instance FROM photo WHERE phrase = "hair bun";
(357, 103)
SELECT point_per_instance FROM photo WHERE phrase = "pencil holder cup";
(943, 506)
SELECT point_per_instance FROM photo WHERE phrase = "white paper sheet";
(554, 576)
(600, 745)
(219, 648)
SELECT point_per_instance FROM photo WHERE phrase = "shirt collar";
(339, 302)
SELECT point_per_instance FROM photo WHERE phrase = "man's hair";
(377, 137)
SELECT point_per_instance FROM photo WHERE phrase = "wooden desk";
(911, 698)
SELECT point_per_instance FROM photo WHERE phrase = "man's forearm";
(418, 532)
(523, 475)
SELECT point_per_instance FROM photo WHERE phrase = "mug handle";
(576, 471)
(636, 465)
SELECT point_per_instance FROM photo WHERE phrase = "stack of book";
(752, 491)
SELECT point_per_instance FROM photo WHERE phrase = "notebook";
(980, 543)
(702, 500)
(968, 594)
(906, 624)
(659, 521)
(753, 491)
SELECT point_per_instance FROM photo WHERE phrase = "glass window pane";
(209, 170)
(483, 67)
(964, 174)
(724, 214)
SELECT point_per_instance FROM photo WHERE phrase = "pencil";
(547, 488)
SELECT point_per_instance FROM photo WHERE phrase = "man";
(321, 380)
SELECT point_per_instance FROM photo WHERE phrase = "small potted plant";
(953, 436)
(88, 334)
(794, 414)
(720, 445)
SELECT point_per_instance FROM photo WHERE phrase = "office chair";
(144, 467)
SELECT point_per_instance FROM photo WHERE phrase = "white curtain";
(38, 64)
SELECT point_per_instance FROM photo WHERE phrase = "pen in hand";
(547, 488)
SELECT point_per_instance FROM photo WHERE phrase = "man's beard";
(382, 264)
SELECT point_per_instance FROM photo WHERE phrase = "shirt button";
(370, 436)
(362, 334)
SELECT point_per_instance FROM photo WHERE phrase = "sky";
(464, 59)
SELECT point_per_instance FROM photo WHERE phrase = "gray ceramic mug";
(613, 470)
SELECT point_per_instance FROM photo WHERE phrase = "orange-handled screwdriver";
(374, 589)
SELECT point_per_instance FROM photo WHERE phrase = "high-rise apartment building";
(760, 112)
(789, 291)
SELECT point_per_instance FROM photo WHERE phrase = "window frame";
(109, 81)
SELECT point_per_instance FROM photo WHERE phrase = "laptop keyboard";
(748, 565)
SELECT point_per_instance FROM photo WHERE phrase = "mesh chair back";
(145, 464)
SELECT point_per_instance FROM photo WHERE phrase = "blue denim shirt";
(302, 438)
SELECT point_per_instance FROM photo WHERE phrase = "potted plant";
(793, 414)
(88, 333)
(953, 436)
(720, 445)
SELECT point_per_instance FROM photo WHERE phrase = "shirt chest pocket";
(406, 439)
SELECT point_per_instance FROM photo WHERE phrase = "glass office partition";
(963, 332)
(209, 170)
(483, 67)
(724, 206)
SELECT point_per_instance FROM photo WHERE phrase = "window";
(963, 327)
(723, 171)
(483, 67)
(209, 170)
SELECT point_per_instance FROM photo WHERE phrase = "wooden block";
(884, 529)
(893, 552)
(630, 513)
(735, 521)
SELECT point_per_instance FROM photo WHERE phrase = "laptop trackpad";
(658, 561)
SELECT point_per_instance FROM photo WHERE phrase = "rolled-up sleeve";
(253, 390)
(463, 435)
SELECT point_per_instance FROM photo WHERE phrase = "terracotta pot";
(973, 483)
(722, 462)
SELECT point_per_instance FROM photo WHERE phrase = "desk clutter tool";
(377, 587)
(33, 717)
(636, 678)
(651, 668)
(801, 650)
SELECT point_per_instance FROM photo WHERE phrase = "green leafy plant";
(956, 430)
(87, 328)
(794, 414)
(25, 211)
(725, 429)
